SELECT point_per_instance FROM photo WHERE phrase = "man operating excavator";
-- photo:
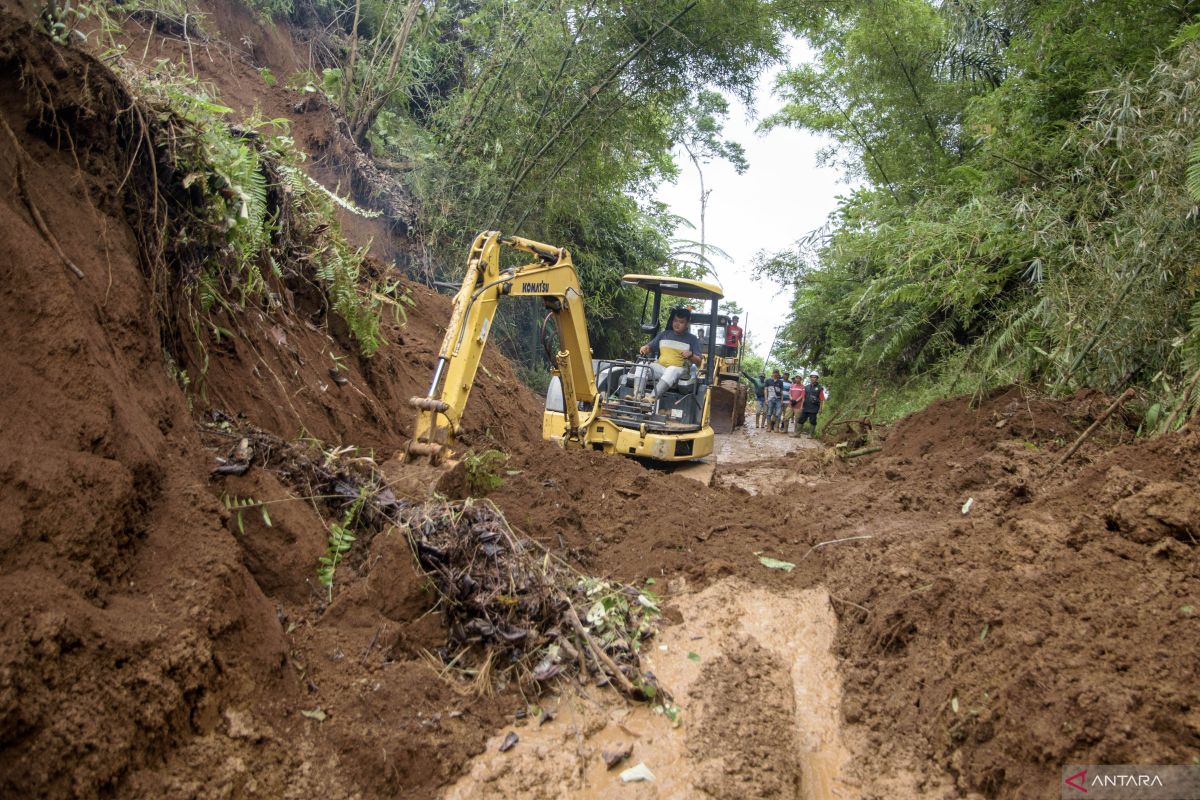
(676, 349)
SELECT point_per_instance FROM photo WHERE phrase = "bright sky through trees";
(783, 196)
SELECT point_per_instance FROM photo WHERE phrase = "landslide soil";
(156, 645)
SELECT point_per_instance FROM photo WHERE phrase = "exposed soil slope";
(152, 643)
(157, 645)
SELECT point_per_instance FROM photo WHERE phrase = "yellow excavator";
(590, 403)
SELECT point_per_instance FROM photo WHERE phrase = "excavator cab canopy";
(658, 285)
(676, 287)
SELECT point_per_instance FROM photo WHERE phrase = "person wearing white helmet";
(811, 401)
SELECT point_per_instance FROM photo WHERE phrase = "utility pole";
(767, 362)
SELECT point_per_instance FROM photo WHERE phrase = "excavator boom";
(552, 277)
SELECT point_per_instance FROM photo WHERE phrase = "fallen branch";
(602, 660)
(1183, 402)
(1129, 393)
(833, 541)
(862, 451)
(863, 421)
(584, 674)
(513, 609)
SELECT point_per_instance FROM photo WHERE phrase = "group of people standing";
(780, 400)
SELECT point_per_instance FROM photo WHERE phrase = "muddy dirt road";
(756, 695)
(755, 461)
(756, 699)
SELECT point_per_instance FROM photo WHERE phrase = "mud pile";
(1052, 622)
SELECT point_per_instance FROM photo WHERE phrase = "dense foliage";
(1020, 206)
(1021, 209)
(553, 119)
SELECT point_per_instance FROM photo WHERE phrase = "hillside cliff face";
(145, 649)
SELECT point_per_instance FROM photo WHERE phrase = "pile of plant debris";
(513, 610)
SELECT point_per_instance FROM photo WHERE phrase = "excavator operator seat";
(687, 383)
(610, 378)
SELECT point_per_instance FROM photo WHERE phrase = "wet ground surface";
(750, 458)
(755, 699)
(160, 641)
(755, 705)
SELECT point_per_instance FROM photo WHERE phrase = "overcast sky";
(783, 196)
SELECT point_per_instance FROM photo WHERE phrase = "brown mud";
(737, 647)
(156, 644)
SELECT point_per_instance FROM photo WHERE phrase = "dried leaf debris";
(514, 607)
(513, 610)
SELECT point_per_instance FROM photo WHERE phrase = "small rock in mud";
(510, 741)
(617, 754)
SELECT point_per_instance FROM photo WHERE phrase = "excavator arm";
(552, 277)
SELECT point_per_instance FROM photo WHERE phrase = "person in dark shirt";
(811, 402)
(773, 394)
(760, 410)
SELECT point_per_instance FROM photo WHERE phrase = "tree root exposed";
(27, 198)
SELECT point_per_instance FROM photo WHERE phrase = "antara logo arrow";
(1080, 776)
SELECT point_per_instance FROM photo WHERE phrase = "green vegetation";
(341, 539)
(1025, 174)
(227, 217)
(552, 120)
(244, 214)
(483, 470)
(237, 505)
(1022, 210)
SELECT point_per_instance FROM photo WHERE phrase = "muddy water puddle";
(757, 691)
(737, 454)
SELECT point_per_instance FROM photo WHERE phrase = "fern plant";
(483, 470)
(1193, 171)
(341, 540)
(238, 505)
(252, 208)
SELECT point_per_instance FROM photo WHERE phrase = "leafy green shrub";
(271, 9)
(251, 208)
(483, 470)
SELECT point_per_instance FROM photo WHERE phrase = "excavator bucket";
(728, 405)
(419, 479)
